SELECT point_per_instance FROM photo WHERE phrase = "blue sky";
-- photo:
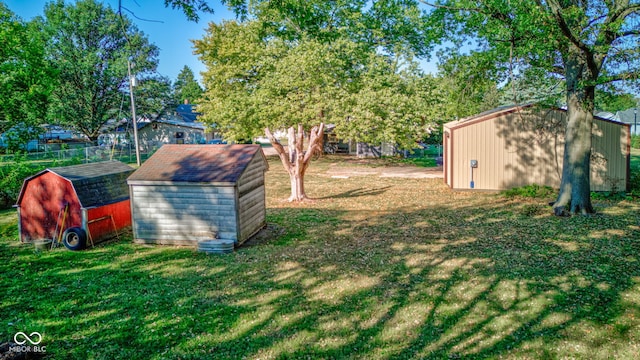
(170, 30)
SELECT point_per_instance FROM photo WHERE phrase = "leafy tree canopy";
(468, 85)
(27, 77)
(153, 96)
(586, 43)
(256, 82)
(186, 87)
(612, 100)
(190, 8)
(391, 26)
(90, 45)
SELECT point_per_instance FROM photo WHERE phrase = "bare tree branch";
(315, 142)
(279, 149)
(139, 18)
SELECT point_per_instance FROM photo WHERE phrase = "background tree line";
(68, 67)
(301, 64)
(553, 53)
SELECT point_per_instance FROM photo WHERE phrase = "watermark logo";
(26, 338)
(27, 343)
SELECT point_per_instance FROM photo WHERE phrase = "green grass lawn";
(372, 268)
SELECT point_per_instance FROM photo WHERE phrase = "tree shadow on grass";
(437, 282)
(356, 193)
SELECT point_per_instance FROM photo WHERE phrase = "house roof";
(95, 183)
(186, 112)
(191, 125)
(605, 115)
(213, 164)
(628, 116)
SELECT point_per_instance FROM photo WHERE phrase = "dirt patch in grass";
(410, 172)
(269, 232)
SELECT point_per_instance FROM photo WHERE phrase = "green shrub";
(420, 162)
(12, 175)
(530, 191)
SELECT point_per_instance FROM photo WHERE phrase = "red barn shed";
(83, 202)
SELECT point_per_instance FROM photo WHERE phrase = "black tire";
(74, 238)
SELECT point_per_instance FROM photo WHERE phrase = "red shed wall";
(121, 212)
(42, 199)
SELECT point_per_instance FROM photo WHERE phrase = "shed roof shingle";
(97, 183)
(197, 163)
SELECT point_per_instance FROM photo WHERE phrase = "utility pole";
(132, 83)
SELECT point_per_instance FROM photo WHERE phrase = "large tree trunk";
(575, 185)
(296, 160)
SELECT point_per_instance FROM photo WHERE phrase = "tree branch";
(595, 20)
(629, 33)
(315, 142)
(593, 65)
(616, 13)
(623, 12)
(279, 149)
(493, 13)
(556, 10)
(623, 76)
(139, 18)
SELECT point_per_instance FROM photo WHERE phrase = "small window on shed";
(179, 137)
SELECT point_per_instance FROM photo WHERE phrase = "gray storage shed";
(184, 194)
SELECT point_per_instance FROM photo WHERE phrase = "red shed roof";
(95, 184)
(197, 164)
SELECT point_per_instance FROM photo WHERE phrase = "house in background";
(46, 137)
(186, 112)
(178, 125)
(515, 146)
(334, 145)
(159, 132)
(630, 116)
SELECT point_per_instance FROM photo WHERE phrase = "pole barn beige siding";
(446, 156)
(521, 146)
(610, 156)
